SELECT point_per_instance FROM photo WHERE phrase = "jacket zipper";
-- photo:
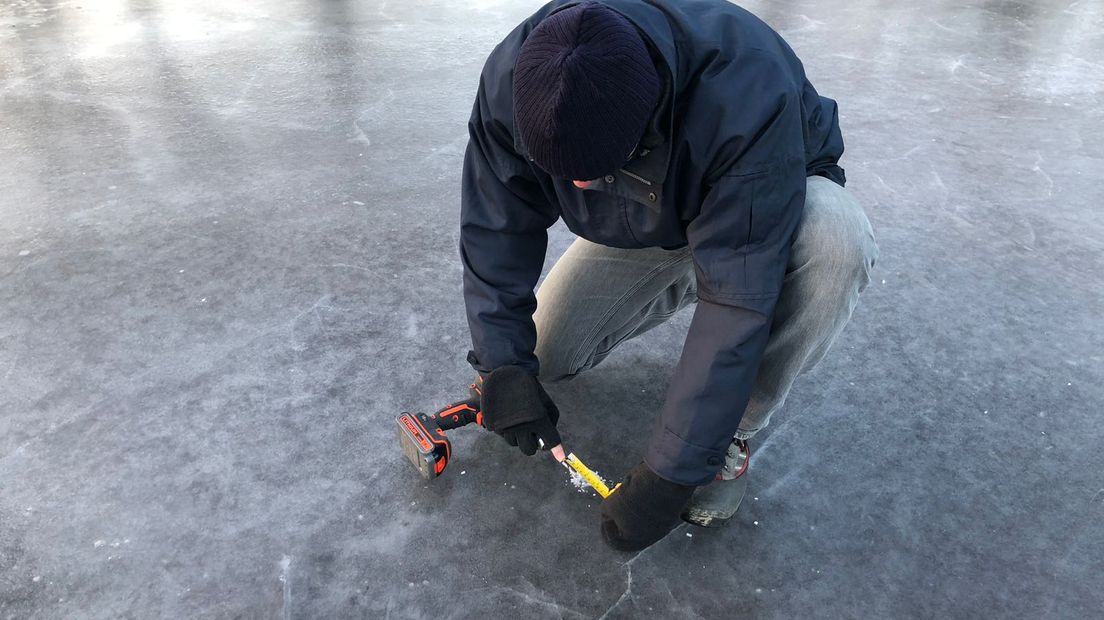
(638, 178)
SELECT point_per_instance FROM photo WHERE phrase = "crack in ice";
(628, 575)
(625, 594)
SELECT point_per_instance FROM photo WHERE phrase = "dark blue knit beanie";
(585, 88)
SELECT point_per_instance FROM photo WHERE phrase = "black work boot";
(715, 503)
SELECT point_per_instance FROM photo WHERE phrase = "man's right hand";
(515, 406)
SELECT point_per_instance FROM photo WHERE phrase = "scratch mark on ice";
(883, 183)
(1036, 168)
(312, 310)
(529, 598)
(907, 153)
(285, 578)
(940, 26)
(344, 266)
(807, 25)
(359, 135)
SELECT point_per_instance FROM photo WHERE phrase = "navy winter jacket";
(723, 170)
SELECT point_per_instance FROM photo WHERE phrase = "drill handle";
(461, 413)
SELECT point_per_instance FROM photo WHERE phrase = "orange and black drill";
(423, 436)
(423, 440)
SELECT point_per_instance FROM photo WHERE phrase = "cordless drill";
(423, 439)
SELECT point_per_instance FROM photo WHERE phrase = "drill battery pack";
(422, 436)
(424, 444)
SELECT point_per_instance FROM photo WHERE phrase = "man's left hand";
(643, 510)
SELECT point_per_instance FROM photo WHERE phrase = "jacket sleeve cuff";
(531, 367)
(677, 461)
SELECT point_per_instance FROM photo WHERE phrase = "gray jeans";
(597, 297)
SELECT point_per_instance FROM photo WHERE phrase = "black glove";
(643, 510)
(515, 406)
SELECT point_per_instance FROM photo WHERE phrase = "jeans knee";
(551, 374)
(555, 363)
(856, 255)
(837, 238)
(853, 259)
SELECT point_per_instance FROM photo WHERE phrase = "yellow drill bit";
(572, 462)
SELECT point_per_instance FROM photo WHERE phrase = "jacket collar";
(652, 164)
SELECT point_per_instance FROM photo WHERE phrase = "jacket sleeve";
(740, 242)
(503, 237)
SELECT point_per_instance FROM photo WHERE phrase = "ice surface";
(228, 260)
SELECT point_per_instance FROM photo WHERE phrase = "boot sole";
(705, 520)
